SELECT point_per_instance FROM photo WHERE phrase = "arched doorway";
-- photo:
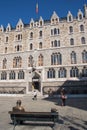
(36, 82)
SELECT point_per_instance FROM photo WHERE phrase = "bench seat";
(20, 117)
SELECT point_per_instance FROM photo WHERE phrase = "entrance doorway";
(36, 82)
(36, 85)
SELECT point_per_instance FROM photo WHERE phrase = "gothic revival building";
(44, 55)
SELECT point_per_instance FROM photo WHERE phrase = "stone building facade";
(44, 55)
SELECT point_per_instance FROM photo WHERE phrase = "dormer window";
(54, 18)
(69, 17)
(1, 29)
(19, 25)
(80, 15)
(31, 24)
(40, 23)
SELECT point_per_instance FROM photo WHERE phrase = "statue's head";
(18, 102)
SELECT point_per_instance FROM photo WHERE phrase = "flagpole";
(37, 10)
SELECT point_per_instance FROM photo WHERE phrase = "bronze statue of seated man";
(18, 107)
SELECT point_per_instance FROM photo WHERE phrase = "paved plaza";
(73, 116)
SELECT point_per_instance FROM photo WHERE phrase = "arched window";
(84, 56)
(81, 28)
(40, 34)
(84, 71)
(80, 17)
(30, 61)
(51, 73)
(74, 72)
(56, 31)
(17, 62)
(71, 41)
(71, 29)
(40, 60)
(55, 43)
(3, 75)
(4, 63)
(56, 59)
(5, 49)
(31, 46)
(21, 74)
(6, 39)
(12, 75)
(40, 45)
(31, 35)
(52, 31)
(73, 57)
(62, 73)
(70, 18)
(83, 40)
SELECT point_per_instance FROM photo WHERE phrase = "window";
(41, 23)
(84, 56)
(12, 75)
(73, 57)
(5, 49)
(71, 41)
(4, 63)
(84, 71)
(3, 75)
(21, 74)
(51, 31)
(70, 18)
(19, 37)
(40, 34)
(40, 60)
(51, 73)
(83, 40)
(31, 46)
(17, 62)
(40, 45)
(55, 31)
(31, 35)
(71, 29)
(80, 17)
(81, 28)
(55, 43)
(74, 72)
(62, 73)
(56, 59)
(6, 39)
(30, 61)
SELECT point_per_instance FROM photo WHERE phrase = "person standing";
(63, 97)
(35, 95)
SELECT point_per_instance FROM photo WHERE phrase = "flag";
(37, 8)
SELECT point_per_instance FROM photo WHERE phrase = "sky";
(12, 10)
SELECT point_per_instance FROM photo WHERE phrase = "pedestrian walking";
(63, 96)
(35, 95)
